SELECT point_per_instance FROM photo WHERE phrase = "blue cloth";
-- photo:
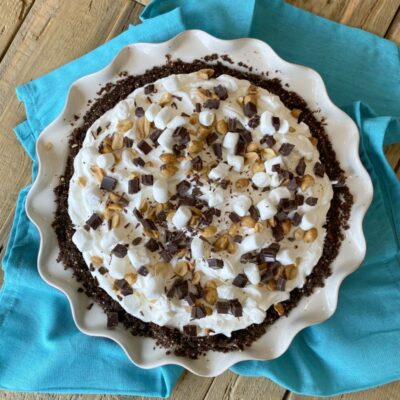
(357, 348)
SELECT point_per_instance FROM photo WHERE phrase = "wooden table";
(37, 36)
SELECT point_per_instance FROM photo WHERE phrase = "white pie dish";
(344, 137)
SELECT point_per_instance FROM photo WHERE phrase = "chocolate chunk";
(183, 187)
(112, 319)
(311, 201)
(152, 245)
(134, 185)
(254, 213)
(172, 247)
(138, 214)
(196, 192)
(190, 299)
(223, 307)
(249, 257)
(234, 125)
(292, 185)
(139, 112)
(286, 149)
(94, 221)
(296, 219)
(287, 205)
(224, 183)
(103, 270)
(276, 123)
(217, 147)
(215, 263)
(182, 289)
(143, 271)
(190, 330)
(144, 147)
(246, 136)
(124, 287)
(238, 238)
(301, 167)
(254, 122)
(281, 216)
(319, 169)
(198, 312)
(138, 161)
(240, 281)
(249, 109)
(181, 134)
(268, 273)
(128, 142)
(147, 180)
(234, 217)
(197, 163)
(149, 89)
(136, 241)
(155, 135)
(236, 308)
(211, 104)
(108, 183)
(149, 224)
(211, 138)
(221, 92)
(198, 107)
(281, 284)
(277, 233)
(240, 146)
(299, 199)
(166, 255)
(269, 253)
(268, 140)
(119, 251)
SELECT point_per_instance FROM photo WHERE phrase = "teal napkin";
(355, 349)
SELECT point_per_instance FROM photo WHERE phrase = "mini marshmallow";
(252, 242)
(308, 220)
(123, 110)
(166, 140)
(171, 83)
(261, 179)
(266, 126)
(176, 122)
(219, 172)
(241, 205)
(285, 257)
(281, 192)
(237, 162)
(138, 256)
(227, 292)
(181, 217)
(284, 127)
(266, 209)
(216, 198)
(228, 82)
(152, 111)
(106, 160)
(163, 117)
(197, 248)
(275, 181)
(82, 240)
(230, 141)
(160, 191)
(206, 118)
(253, 273)
(271, 162)
(117, 267)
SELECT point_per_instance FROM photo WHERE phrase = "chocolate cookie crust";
(181, 344)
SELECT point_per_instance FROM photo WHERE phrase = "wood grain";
(52, 32)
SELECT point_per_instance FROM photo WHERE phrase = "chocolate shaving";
(124, 287)
(152, 245)
(236, 308)
(94, 221)
(221, 92)
(128, 142)
(119, 251)
(211, 104)
(223, 307)
(249, 109)
(276, 123)
(134, 185)
(144, 147)
(268, 140)
(240, 281)
(217, 147)
(286, 149)
(155, 135)
(254, 213)
(211, 138)
(138, 161)
(198, 312)
(301, 167)
(215, 263)
(147, 180)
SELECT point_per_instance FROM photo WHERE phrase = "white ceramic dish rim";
(40, 204)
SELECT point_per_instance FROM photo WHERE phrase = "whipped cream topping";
(199, 202)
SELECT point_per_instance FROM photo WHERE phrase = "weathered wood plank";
(13, 13)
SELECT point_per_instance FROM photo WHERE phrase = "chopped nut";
(170, 215)
(251, 156)
(182, 252)
(210, 295)
(146, 127)
(96, 260)
(203, 93)
(115, 220)
(252, 89)
(310, 235)
(161, 267)
(306, 182)
(211, 284)
(115, 207)
(106, 149)
(291, 271)
(195, 146)
(286, 226)
(268, 153)
(271, 285)
(240, 100)
(165, 98)
(279, 309)
(299, 234)
(258, 166)
(196, 277)
(242, 183)
(291, 129)
(248, 222)
(204, 132)
(271, 222)
(107, 214)
(82, 181)
(194, 119)
(152, 234)
(252, 147)
(205, 73)
(209, 231)
(125, 125)
(194, 220)
(144, 205)
(131, 278)
(222, 127)
(208, 309)
(258, 227)
(49, 146)
(295, 112)
(118, 141)
(313, 140)
(168, 170)
(222, 243)
(250, 99)
(233, 229)
(97, 172)
(182, 268)
(168, 158)
(231, 247)
(140, 133)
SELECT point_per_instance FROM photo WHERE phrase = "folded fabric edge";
(27, 138)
